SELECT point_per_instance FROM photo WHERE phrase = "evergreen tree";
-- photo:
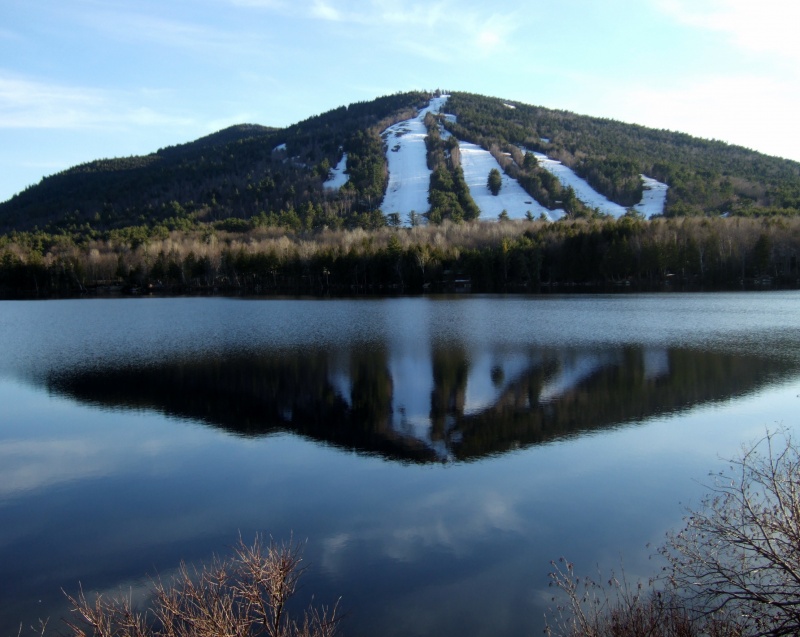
(495, 181)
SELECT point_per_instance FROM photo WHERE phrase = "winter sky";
(89, 79)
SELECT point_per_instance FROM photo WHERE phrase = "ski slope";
(654, 198)
(654, 195)
(409, 176)
(583, 191)
(476, 163)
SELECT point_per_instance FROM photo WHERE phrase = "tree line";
(684, 253)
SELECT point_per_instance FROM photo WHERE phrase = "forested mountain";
(248, 208)
(271, 175)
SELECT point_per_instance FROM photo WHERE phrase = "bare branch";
(740, 552)
(242, 597)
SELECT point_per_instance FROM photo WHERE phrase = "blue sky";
(89, 79)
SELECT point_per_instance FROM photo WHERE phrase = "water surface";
(436, 453)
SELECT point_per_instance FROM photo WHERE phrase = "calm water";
(436, 453)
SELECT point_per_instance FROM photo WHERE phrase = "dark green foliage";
(539, 183)
(366, 166)
(449, 194)
(495, 181)
(618, 178)
(239, 172)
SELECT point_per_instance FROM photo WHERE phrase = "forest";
(686, 253)
(244, 210)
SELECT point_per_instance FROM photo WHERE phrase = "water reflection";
(447, 404)
(97, 486)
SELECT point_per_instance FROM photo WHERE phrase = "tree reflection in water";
(453, 405)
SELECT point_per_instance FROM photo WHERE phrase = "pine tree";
(495, 181)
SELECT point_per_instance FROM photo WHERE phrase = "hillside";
(267, 176)
(377, 197)
(236, 172)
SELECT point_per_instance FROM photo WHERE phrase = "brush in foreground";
(245, 596)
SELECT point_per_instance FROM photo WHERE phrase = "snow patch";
(654, 198)
(511, 106)
(280, 148)
(337, 177)
(477, 163)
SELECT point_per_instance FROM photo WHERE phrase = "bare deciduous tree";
(734, 569)
(242, 597)
(740, 552)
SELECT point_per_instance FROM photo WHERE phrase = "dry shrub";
(618, 609)
(245, 596)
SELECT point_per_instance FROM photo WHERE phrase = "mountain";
(250, 175)
(370, 198)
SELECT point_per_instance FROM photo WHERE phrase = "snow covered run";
(653, 197)
(409, 175)
(583, 191)
(337, 177)
(477, 163)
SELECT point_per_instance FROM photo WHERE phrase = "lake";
(434, 453)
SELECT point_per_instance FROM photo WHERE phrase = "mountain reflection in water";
(451, 405)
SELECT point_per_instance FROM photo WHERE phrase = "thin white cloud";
(26, 103)
(30, 104)
(260, 4)
(377, 12)
(765, 26)
(433, 51)
(128, 26)
(429, 15)
(30, 465)
(325, 11)
(433, 30)
(432, 524)
(495, 33)
(444, 17)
